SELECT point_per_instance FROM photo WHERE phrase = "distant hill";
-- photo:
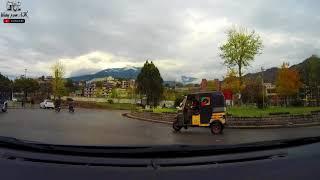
(270, 75)
(186, 79)
(126, 73)
(305, 67)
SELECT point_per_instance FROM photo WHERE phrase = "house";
(270, 93)
(124, 84)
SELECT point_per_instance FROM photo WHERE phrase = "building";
(125, 84)
(109, 78)
(89, 90)
(271, 94)
(45, 87)
(270, 89)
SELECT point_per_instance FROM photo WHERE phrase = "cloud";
(181, 37)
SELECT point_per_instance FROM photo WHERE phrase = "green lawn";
(164, 110)
(255, 112)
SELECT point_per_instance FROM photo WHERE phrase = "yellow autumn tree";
(288, 81)
(58, 72)
(232, 82)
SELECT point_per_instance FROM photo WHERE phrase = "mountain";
(126, 73)
(186, 80)
(270, 75)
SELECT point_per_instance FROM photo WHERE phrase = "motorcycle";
(58, 108)
(71, 109)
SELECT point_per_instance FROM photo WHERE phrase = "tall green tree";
(240, 49)
(58, 86)
(150, 83)
(5, 83)
(27, 85)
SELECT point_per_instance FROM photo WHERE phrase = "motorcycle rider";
(58, 104)
(71, 105)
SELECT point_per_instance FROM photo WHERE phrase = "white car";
(46, 104)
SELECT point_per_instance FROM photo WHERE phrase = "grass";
(164, 110)
(255, 112)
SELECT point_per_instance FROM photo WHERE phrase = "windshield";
(169, 72)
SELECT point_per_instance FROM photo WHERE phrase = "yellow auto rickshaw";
(202, 109)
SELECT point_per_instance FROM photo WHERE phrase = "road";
(102, 127)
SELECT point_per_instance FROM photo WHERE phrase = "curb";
(128, 115)
(274, 126)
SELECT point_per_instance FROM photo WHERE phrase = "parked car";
(46, 104)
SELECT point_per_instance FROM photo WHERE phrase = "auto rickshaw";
(202, 109)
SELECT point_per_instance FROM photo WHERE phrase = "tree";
(231, 82)
(311, 73)
(240, 49)
(311, 77)
(169, 94)
(212, 86)
(150, 83)
(69, 85)
(287, 82)
(99, 92)
(58, 87)
(27, 85)
(252, 92)
(114, 94)
(99, 84)
(5, 83)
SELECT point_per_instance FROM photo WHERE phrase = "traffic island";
(274, 121)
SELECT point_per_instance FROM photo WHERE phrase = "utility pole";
(262, 87)
(25, 73)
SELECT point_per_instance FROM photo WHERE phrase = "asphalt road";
(101, 127)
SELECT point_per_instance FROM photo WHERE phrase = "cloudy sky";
(181, 37)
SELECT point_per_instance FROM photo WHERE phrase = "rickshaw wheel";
(216, 127)
(176, 126)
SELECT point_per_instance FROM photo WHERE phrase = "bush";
(110, 101)
(297, 103)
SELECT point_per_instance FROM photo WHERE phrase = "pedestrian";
(22, 103)
(32, 102)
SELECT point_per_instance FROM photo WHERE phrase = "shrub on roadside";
(110, 101)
